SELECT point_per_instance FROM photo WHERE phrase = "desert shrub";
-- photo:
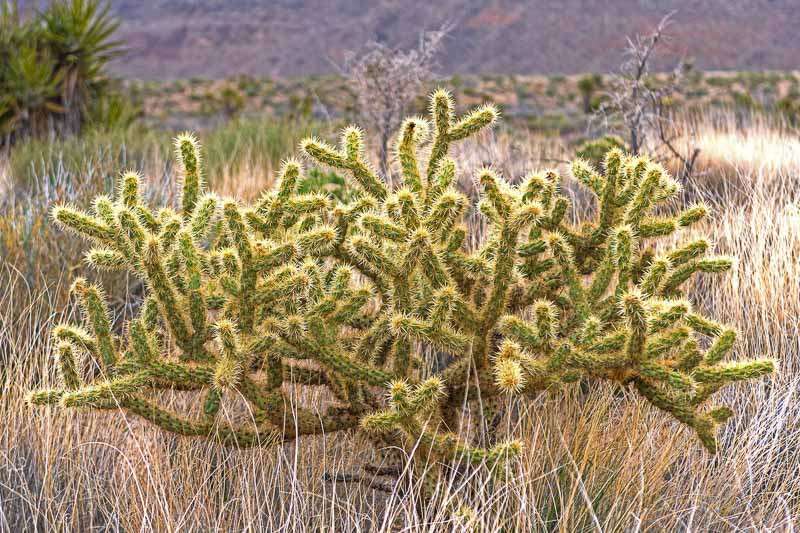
(550, 123)
(789, 108)
(745, 101)
(719, 81)
(116, 111)
(244, 300)
(594, 151)
(587, 86)
(248, 85)
(641, 105)
(301, 106)
(231, 101)
(330, 182)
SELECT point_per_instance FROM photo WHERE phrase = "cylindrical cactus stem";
(413, 132)
(77, 337)
(441, 110)
(636, 318)
(203, 214)
(109, 393)
(231, 360)
(603, 276)
(564, 256)
(144, 346)
(187, 150)
(644, 197)
(128, 189)
(473, 122)
(489, 180)
(95, 309)
(721, 347)
(66, 363)
(82, 224)
(624, 246)
(654, 277)
(196, 299)
(444, 176)
(248, 277)
(582, 171)
(164, 291)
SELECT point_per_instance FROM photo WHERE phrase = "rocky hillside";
(216, 38)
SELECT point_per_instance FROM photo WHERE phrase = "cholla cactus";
(243, 299)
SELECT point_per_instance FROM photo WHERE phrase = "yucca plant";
(32, 88)
(52, 66)
(245, 299)
(14, 34)
(80, 35)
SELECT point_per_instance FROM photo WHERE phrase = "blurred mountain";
(216, 38)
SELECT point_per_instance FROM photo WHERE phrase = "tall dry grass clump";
(595, 458)
(741, 154)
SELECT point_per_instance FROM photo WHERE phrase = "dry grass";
(744, 153)
(596, 459)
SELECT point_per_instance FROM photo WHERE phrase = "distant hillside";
(215, 38)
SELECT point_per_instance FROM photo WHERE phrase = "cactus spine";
(243, 298)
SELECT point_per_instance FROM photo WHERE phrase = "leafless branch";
(639, 106)
(387, 79)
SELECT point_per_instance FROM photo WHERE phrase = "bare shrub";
(639, 106)
(387, 79)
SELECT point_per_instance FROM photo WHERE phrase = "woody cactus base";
(296, 288)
